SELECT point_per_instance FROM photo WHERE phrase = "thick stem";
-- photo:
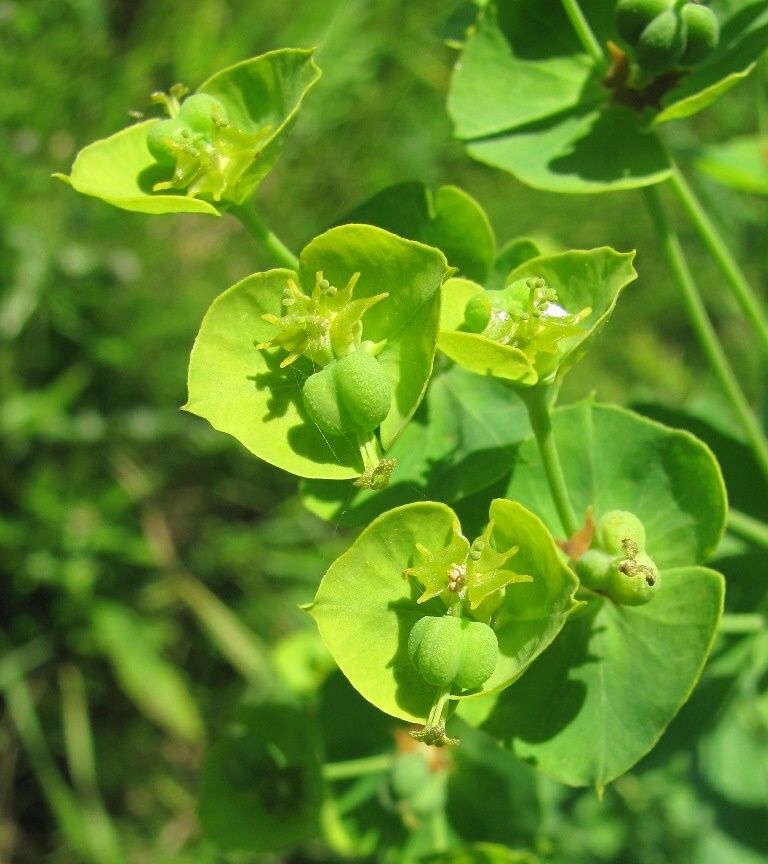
(730, 269)
(705, 332)
(535, 399)
(583, 31)
(269, 241)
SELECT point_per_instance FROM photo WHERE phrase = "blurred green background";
(124, 522)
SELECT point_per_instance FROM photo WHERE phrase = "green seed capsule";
(480, 655)
(200, 111)
(434, 647)
(633, 16)
(449, 650)
(616, 526)
(662, 42)
(634, 583)
(363, 389)
(703, 33)
(321, 401)
(511, 301)
(162, 135)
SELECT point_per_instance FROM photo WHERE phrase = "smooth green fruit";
(616, 526)
(633, 16)
(434, 647)
(480, 654)
(352, 393)
(703, 33)
(449, 650)
(635, 583)
(162, 135)
(662, 42)
(321, 401)
(363, 389)
(593, 568)
(200, 111)
(512, 300)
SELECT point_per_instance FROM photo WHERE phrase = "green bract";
(259, 98)
(357, 287)
(540, 324)
(366, 608)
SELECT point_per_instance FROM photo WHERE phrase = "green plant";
(324, 367)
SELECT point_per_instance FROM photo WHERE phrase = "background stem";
(268, 240)
(705, 332)
(725, 261)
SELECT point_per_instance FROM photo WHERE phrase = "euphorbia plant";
(472, 612)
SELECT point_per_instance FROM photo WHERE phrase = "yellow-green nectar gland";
(322, 325)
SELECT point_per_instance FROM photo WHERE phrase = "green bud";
(662, 42)
(506, 302)
(703, 33)
(633, 16)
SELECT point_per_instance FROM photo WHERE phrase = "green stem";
(730, 269)
(748, 527)
(535, 399)
(742, 623)
(269, 241)
(583, 31)
(379, 764)
(707, 336)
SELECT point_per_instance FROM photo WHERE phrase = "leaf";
(245, 392)
(601, 696)
(614, 459)
(261, 786)
(461, 440)
(264, 92)
(155, 686)
(588, 148)
(365, 609)
(449, 219)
